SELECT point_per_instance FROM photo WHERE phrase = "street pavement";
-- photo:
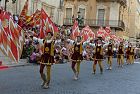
(26, 80)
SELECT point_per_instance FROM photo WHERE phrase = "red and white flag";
(11, 37)
(104, 33)
(108, 30)
(113, 36)
(46, 25)
(101, 33)
(75, 30)
(87, 33)
(117, 39)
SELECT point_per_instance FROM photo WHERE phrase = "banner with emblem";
(11, 37)
(46, 25)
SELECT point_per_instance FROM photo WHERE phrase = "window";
(34, 6)
(82, 12)
(68, 12)
(61, 3)
(101, 14)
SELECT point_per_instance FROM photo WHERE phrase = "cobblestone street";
(26, 80)
(65, 33)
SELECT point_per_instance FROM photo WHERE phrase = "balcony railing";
(138, 36)
(113, 0)
(77, 0)
(97, 23)
(122, 2)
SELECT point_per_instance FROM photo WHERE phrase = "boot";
(44, 80)
(101, 71)
(75, 76)
(46, 86)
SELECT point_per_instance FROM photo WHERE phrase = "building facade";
(72, 7)
(52, 7)
(111, 13)
(134, 18)
(97, 13)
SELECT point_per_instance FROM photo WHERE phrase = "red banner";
(87, 33)
(101, 33)
(23, 16)
(11, 37)
(108, 30)
(34, 19)
(46, 25)
(75, 30)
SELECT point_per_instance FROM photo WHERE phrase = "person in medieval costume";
(128, 56)
(132, 55)
(77, 57)
(47, 60)
(98, 55)
(110, 55)
(120, 56)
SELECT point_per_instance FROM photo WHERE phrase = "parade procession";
(44, 45)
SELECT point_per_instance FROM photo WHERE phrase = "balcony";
(118, 25)
(122, 2)
(69, 0)
(77, 0)
(83, 0)
(138, 36)
(112, 0)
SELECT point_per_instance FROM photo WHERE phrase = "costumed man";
(77, 57)
(47, 59)
(98, 56)
(132, 55)
(120, 57)
(128, 56)
(110, 55)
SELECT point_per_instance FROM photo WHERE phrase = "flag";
(104, 33)
(108, 30)
(75, 30)
(34, 19)
(115, 38)
(101, 33)
(119, 39)
(11, 37)
(23, 15)
(46, 25)
(87, 33)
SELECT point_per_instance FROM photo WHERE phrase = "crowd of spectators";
(32, 49)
